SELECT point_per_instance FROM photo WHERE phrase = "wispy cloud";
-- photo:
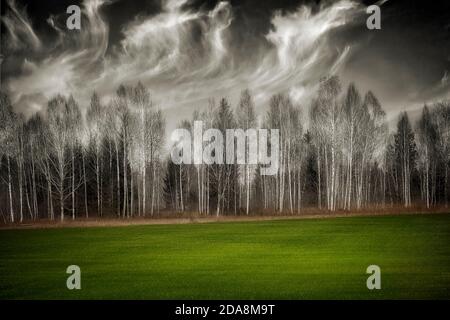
(185, 57)
(20, 31)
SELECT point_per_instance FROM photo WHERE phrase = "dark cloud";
(405, 61)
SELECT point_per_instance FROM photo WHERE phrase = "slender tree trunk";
(319, 194)
(427, 185)
(97, 174)
(73, 183)
(153, 188)
(144, 197)
(207, 191)
(139, 194)
(118, 177)
(85, 184)
(181, 192)
(20, 180)
(333, 176)
(327, 177)
(111, 177)
(125, 187)
(350, 174)
(61, 190)
(50, 192)
(219, 182)
(61, 203)
(33, 175)
(291, 208)
(248, 187)
(446, 185)
(11, 210)
(132, 194)
(28, 190)
(101, 183)
(198, 190)
(299, 188)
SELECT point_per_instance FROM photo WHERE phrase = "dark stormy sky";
(188, 51)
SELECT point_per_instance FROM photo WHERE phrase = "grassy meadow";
(280, 259)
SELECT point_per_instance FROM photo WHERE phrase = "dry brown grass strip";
(188, 218)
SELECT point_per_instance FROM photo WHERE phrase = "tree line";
(111, 160)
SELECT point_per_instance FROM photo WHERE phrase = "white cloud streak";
(20, 31)
(184, 57)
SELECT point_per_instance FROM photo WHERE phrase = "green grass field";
(285, 259)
